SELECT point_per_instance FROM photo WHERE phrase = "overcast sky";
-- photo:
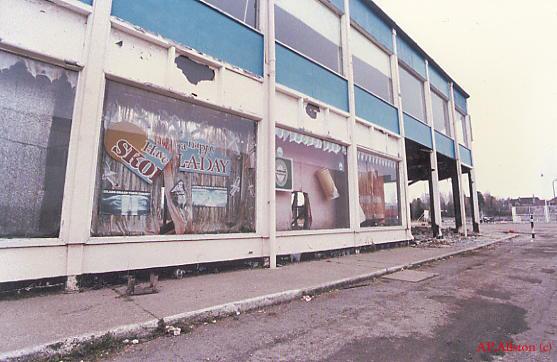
(504, 54)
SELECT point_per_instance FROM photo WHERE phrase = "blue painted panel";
(460, 101)
(198, 26)
(90, 2)
(411, 57)
(444, 145)
(303, 75)
(417, 131)
(339, 4)
(375, 110)
(373, 24)
(465, 155)
(439, 81)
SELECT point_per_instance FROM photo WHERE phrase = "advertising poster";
(125, 203)
(283, 174)
(200, 157)
(209, 196)
(128, 144)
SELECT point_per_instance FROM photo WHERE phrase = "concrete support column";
(456, 201)
(475, 207)
(86, 133)
(352, 159)
(457, 180)
(269, 130)
(403, 172)
(434, 196)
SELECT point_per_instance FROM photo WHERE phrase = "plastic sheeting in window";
(36, 106)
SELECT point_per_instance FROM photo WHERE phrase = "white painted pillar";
(85, 140)
(472, 177)
(269, 129)
(353, 190)
(435, 197)
(458, 186)
(403, 172)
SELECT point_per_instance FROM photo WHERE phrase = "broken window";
(243, 10)
(461, 128)
(412, 91)
(172, 167)
(440, 113)
(310, 28)
(311, 183)
(378, 184)
(36, 106)
(372, 66)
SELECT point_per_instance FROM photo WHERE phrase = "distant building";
(528, 201)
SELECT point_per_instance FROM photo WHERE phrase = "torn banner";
(128, 144)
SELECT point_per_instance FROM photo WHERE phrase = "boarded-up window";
(412, 91)
(310, 28)
(36, 105)
(312, 183)
(378, 184)
(172, 167)
(243, 10)
(372, 67)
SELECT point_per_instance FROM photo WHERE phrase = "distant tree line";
(489, 205)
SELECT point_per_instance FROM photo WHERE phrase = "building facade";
(141, 134)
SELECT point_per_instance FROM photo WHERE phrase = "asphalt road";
(505, 293)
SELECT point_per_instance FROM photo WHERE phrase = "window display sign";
(283, 174)
(200, 157)
(209, 196)
(129, 203)
(128, 144)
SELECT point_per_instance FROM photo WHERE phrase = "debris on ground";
(307, 298)
(173, 330)
(423, 238)
(135, 341)
(126, 341)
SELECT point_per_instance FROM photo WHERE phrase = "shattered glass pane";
(36, 105)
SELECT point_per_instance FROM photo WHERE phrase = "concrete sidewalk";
(55, 323)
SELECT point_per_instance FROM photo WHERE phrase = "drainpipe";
(271, 122)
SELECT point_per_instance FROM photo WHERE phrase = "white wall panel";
(43, 27)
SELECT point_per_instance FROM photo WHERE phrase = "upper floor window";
(243, 10)
(412, 90)
(440, 113)
(461, 128)
(310, 28)
(372, 67)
